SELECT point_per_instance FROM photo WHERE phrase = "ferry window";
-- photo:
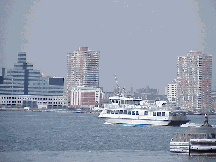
(129, 112)
(154, 113)
(122, 101)
(170, 114)
(117, 111)
(133, 112)
(158, 113)
(112, 112)
(137, 112)
(136, 102)
(163, 113)
(125, 111)
(146, 113)
(120, 111)
(130, 102)
(108, 111)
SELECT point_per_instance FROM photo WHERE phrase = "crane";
(120, 91)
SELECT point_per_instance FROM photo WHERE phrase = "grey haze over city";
(138, 40)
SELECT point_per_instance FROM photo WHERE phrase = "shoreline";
(48, 110)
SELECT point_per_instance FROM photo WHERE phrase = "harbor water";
(54, 136)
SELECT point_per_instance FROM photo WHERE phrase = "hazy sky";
(139, 40)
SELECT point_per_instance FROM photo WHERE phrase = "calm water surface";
(50, 136)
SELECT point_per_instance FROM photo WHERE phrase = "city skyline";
(138, 41)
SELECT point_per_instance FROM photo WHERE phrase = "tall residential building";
(171, 91)
(82, 68)
(194, 81)
(24, 80)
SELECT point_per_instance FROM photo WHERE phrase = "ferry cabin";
(116, 102)
(140, 113)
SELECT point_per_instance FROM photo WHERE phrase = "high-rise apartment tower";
(82, 68)
(194, 81)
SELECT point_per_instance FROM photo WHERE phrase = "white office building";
(171, 91)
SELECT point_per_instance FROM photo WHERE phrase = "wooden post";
(189, 148)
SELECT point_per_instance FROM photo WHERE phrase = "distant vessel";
(26, 108)
(198, 140)
(128, 111)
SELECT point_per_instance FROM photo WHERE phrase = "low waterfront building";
(147, 90)
(85, 97)
(33, 101)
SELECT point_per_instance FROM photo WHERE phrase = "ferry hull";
(177, 122)
(137, 122)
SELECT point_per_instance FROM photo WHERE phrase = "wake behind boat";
(129, 111)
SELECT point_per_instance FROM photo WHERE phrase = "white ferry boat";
(128, 111)
(196, 141)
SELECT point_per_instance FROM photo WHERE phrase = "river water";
(51, 136)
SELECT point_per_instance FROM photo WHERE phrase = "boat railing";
(155, 108)
(112, 106)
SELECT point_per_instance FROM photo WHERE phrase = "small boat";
(129, 111)
(198, 140)
(26, 108)
(190, 125)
